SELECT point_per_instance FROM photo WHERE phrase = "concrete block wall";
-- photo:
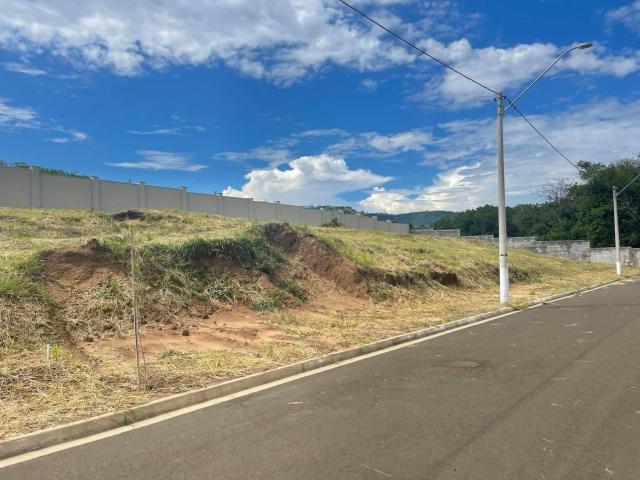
(480, 238)
(574, 249)
(30, 188)
(628, 256)
(430, 232)
(521, 242)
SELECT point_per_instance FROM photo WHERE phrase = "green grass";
(18, 278)
(473, 262)
(294, 288)
(190, 264)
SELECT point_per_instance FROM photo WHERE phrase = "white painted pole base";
(504, 282)
(618, 268)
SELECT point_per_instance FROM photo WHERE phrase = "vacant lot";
(218, 298)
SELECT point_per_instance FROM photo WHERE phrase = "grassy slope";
(77, 382)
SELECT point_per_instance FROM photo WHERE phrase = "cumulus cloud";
(507, 69)
(282, 40)
(599, 132)
(159, 160)
(307, 180)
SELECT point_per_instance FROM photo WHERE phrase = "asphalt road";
(548, 393)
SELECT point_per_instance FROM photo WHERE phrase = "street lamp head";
(582, 46)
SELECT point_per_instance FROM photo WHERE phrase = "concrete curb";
(91, 426)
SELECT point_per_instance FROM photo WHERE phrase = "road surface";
(548, 393)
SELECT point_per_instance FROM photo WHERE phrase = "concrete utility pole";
(502, 217)
(502, 209)
(617, 231)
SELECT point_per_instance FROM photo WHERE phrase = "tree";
(569, 211)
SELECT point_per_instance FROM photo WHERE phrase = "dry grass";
(77, 382)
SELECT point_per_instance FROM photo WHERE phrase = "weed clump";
(294, 288)
(333, 223)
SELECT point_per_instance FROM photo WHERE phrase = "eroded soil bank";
(218, 298)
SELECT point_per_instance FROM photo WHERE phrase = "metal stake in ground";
(142, 379)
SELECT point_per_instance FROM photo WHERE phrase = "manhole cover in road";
(463, 364)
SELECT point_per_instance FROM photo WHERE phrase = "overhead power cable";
(449, 67)
(415, 47)
(625, 187)
(513, 105)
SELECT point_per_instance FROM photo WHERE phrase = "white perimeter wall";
(30, 188)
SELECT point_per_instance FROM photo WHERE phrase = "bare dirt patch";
(220, 298)
(318, 256)
(69, 271)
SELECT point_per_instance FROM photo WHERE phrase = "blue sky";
(303, 102)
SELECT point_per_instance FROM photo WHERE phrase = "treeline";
(571, 211)
(51, 171)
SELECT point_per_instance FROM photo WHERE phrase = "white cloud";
(307, 181)
(369, 84)
(159, 160)
(24, 69)
(400, 142)
(627, 15)
(322, 132)
(70, 136)
(13, 117)
(273, 156)
(507, 69)
(157, 131)
(179, 127)
(377, 145)
(16, 117)
(367, 144)
(599, 132)
(282, 40)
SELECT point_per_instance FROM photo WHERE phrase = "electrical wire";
(415, 47)
(625, 187)
(427, 54)
(513, 105)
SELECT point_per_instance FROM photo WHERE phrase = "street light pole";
(617, 231)
(502, 214)
(502, 210)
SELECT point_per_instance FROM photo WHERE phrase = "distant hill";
(415, 219)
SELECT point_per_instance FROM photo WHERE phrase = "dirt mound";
(445, 277)
(77, 269)
(317, 255)
(128, 215)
